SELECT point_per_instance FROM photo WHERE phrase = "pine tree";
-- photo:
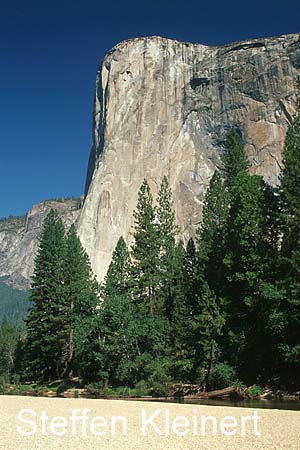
(234, 158)
(166, 218)
(9, 335)
(246, 233)
(192, 277)
(146, 280)
(117, 278)
(289, 313)
(45, 324)
(118, 325)
(211, 234)
(207, 327)
(250, 253)
(79, 297)
(167, 231)
(145, 252)
(290, 185)
(184, 296)
(208, 315)
(290, 178)
(110, 344)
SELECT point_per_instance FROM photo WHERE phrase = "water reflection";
(268, 404)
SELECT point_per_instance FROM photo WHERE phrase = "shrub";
(140, 389)
(255, 391)
(223, 375)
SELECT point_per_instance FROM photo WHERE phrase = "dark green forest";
(14, 304)
(223, 309)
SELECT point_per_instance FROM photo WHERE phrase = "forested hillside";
(13, 304)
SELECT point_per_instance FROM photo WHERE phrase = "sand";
(269, 429)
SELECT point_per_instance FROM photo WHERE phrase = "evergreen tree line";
(64, 297)
(223, 308)
(13, 304)
(9, 335)
(13, 310)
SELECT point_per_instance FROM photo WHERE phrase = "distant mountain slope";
(19, 239)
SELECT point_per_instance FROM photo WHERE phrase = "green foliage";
(132, 327)
(250, 265)
(117, 278)
(211, 234)
(140, 389)
(120, 336)
(14, 305)
(214, 313)
(96, 390)
(250, 237)
(158, 376)
(223, 375)
(209, 317)
(192, 277)
(171, 313)
(2, 385)
(64, 297)
(290, 179)
(289, 309)
(167, 231)
(45, 323)
(234, 158)
(183, 311)
(79, 297)
(207, 327)
(145, 253)
(255, 391)
(9, 335)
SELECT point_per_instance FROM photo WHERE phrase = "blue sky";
(50, 52)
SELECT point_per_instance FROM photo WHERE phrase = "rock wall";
(19, 239)
(163, 107)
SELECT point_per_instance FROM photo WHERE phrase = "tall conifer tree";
(211, 234)
(290, 250)
(79, 297)
(118, 275)
(234, 158)
(45, 324)
(207, 327)
(193, 278)
(145, 252)
(167, 231)
(251, 249)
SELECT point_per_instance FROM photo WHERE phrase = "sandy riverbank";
(128, 425)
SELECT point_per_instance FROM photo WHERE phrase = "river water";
(268, 404)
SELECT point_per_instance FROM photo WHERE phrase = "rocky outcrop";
(163, 107)
(19, 239)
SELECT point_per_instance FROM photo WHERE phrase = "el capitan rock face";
(163, 107)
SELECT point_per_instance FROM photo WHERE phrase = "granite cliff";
(163, 107)
(19, 239)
